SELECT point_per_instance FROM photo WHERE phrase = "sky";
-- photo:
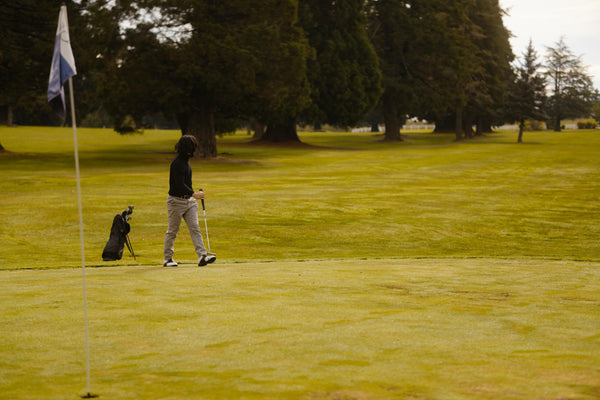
(545, 21)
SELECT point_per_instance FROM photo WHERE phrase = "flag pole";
(76, 150)
(63, 69)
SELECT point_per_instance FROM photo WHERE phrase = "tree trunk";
(9, 116)
(521, 127)
(478, 128)
(392, 120)
(374, 127)
(6, 115)
(200, 123)
(486, 126)
(558, 97)
(468, 126)
(557, 127)
(281, 131)
(9, 121)
(259, 130)
(459, 124)
(446, 124)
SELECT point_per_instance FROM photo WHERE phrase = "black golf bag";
(119, 237)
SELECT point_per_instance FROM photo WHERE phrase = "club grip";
(202, 200)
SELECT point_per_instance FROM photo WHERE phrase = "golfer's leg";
(175, 211)
(191, 219)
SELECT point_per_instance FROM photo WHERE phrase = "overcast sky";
(545, 21)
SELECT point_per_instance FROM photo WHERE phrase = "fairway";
(348, 268)
(351, 329)
(341, 195)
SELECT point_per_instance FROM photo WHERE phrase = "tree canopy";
(197, 59)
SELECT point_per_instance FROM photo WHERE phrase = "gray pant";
(188, 210)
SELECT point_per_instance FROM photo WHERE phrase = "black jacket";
(180, 177)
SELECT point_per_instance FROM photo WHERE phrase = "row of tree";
(571, 91)
(210, 64)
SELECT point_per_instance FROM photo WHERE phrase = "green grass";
(352, 197)
(348, 269)
(378, 329)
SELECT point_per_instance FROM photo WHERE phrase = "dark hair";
(186, 145)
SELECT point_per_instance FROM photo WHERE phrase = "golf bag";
(119, 237)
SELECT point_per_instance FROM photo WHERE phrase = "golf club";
(206, 226)
(127, 215)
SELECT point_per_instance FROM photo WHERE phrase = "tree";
(494, 54)
(393, 31)
(25, 55)
(281, 86)
(478, 51)
(428, 59)
(571, 87)
(98, 42)
(344, 75)
(131, 89)
(194, 59)
(526, 96)
(462, 58)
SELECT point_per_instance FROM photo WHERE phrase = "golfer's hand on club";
(198, 195)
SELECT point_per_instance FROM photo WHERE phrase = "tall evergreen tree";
(463, 64)
(526, 96)
(494, 53)
(281, 87)
(572, 89)
(428, 60)
(343, 72)
(483, 70)
(344, 75)
(394, 31)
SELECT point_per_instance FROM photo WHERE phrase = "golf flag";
(63, 65)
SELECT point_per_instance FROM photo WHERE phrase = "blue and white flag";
(63, 65)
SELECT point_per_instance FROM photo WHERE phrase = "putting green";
(473, 328)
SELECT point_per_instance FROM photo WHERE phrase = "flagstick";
(87, 340)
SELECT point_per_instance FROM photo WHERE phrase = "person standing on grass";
(181, 203)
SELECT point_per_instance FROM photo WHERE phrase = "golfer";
(181, 203)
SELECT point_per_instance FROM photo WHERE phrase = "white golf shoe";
(169, 263)
(206, 259)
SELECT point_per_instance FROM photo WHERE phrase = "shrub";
(587, 124)
(533, 125)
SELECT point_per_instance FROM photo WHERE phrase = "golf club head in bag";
(127, 213)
